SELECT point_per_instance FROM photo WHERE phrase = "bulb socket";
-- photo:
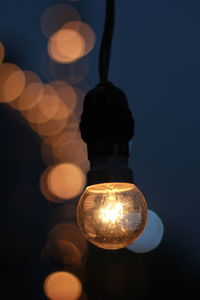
(107, 126)
(109, 169)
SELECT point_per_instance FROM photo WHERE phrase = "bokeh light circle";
(49, 128)
(43, 185)
(12, 82)
(62, 286)
(74, 152)
(66, 180)
(56, 16)
(89, 37)
(32, 92)
(62, 138)
(71, 42)
(86, 32)
(151, 236)
(46, 108)
(68, 98)
(66, 46)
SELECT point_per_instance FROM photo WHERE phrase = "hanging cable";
(106, 43)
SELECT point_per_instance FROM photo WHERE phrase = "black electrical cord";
(106, 43)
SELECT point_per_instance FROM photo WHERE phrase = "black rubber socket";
(106, 121)
(107, 126)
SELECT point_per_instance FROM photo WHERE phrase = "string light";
(112, 211)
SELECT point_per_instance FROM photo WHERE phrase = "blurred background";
(48, 61)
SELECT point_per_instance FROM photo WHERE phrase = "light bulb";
(112, 215)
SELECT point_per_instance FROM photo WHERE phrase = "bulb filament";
(111, 210)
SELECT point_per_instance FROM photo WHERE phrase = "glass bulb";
(112, 215)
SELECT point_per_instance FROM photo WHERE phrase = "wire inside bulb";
(111, 211)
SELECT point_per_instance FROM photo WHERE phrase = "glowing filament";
(112, 211)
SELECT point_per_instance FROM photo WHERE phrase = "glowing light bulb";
(112, 215)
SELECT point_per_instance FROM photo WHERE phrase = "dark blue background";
(156, 61)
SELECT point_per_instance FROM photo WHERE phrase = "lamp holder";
(107, 126)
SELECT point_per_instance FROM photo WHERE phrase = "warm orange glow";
(12, 82)
(112, 215)
(62, 286)
(68, 97)
(89, 37)
(46, 108)
(86, 33)
(63, 138)
(66, 46)
(56, 16)
(32, 93)
(52, 112)
(63, 111)
(58, 189)
(72, 41)
(75, 152)
(64, 252)
(49, 128)
(49, 104)
(2, 52)
(66, 181)
(69, 232)
(44, 187)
